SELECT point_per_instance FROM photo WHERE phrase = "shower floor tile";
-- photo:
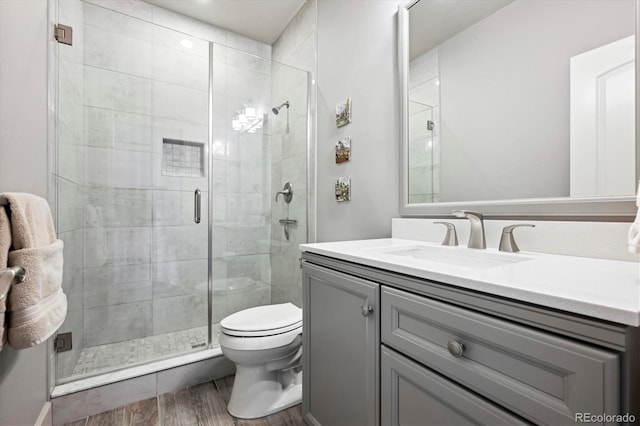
(111, 356)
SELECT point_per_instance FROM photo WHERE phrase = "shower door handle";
(197, 202)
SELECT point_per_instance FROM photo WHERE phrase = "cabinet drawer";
(540, 376)
(414, 395)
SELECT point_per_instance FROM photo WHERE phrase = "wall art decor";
(343, 112)
(343, 150)
(343, 189)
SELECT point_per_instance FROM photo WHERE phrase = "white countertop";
(598, 288)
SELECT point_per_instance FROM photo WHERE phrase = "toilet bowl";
(265, 344)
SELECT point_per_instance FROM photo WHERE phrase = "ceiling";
(262, 20)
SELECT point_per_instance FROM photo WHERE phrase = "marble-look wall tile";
(245, 44)
(173, 243)
(70, 165)
(256, 267)
(73, 251)
(248, 86)
(175, 66)
(294, 170)
(179, 312)
(82, 404)
(117, 91)
(220, 211)
(71, 12)
(300, 28)
(244, 240)
(420, 152)
(72, 286)
(420, 180)
(114, 285)
(116, 168)
(116, 323)
(246, 61)
(423, 68)
(219, 78)
(71, 117)
(171, 39)
(180, 278)
(114, 207)
(116, 246)
(125, 17)
(247, 295)
(220, 242)
(70, 79)
(427, 93)
(180, 103)
(247, 178)
(177, 208)
(106, 128)
(70, 213)
(115, 51)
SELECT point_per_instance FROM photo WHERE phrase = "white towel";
(37, 307)
(634, 230)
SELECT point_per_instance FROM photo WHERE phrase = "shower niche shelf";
(182, 158)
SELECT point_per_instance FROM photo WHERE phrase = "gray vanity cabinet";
(341, 338)
(429, 353)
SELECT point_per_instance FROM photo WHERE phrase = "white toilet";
(265, 343)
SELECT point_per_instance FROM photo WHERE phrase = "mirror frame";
(620, 208)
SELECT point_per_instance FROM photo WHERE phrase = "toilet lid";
(263, 320)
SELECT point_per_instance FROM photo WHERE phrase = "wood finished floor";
(204, 404)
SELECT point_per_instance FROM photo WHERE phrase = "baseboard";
(46, 416)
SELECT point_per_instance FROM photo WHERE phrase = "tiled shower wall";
(295, 47)
(424, 144)
(136, 264)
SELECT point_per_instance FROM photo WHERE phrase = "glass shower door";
(132, 146)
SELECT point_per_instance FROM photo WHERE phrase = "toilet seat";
(263, 321)
(258, 343)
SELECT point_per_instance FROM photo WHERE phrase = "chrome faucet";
(476, 234)
(287, 193)
(507, 242)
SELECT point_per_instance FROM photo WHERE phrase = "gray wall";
(23, 168)
(357, 57)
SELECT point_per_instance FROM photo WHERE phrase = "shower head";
(276, 110)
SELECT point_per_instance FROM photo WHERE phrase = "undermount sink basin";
(459, 256)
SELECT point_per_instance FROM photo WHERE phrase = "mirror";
(519, 108)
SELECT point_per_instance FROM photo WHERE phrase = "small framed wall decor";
(343, 112)
(343, 150)
(343, 189)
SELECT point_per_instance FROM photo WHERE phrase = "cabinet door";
(413, 395)
(341, 343)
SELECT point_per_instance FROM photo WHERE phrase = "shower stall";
(165, 167)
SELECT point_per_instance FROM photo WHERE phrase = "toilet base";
(258, 393)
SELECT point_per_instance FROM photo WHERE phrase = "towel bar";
(8, 276)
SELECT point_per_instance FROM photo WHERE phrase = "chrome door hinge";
(62, 342)
(300, 262)
(64, 34)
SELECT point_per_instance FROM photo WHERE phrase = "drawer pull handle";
(455, 348)
(366, 310)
